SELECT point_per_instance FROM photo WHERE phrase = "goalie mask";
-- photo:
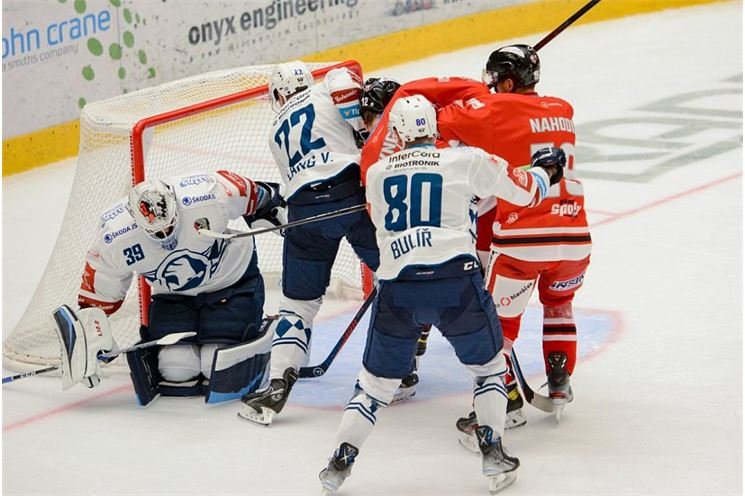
(286, 80)
(517, 62)
(413, 117)
(152, 203)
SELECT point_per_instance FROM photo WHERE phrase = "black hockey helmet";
(517, 62)
(376, 93)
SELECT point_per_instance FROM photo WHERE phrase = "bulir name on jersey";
(409, 241)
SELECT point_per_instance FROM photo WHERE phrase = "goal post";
(217, 120)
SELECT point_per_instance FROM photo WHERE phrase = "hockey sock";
(490, 402)
(289, 345)
(560, 334)
(358, 420)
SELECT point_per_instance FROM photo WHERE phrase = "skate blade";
(264, 418)
(557, 413)
(514, 421)
(469, 442)
(501, 481)
(402, 396)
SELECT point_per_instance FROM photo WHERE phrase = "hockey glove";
(552, 160)
(271, 210)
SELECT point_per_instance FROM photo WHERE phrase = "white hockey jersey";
(312, 137)
(197, 265)
(423, 202)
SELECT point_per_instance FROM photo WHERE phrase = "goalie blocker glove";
(83, 336)
(552, 160)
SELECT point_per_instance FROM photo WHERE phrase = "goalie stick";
(320, 369)
(255, 232)
(107, 357)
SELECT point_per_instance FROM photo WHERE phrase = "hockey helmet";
(376, 93)
(152, 204)
(517, 62)
(287, 79)
(413, 117)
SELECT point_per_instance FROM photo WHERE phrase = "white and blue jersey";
(423, 202)
(312, 138)
(198, 264)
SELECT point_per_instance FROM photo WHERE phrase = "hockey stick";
(539, 401)
(321, 368)
(307, 220)
(107, 357)
(553, 34)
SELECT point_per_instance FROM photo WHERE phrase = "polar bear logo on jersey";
(183, 270)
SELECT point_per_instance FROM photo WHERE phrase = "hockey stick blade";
(539, 401)
(320, 369)
(166, 340)
(255, 232)
(107, 357)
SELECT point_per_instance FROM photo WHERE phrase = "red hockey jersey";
(440, 91)
(513, 126)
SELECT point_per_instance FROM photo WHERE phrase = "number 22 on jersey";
(303, 119)
(413, 202)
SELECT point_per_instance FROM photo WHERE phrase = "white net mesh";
(232, 137)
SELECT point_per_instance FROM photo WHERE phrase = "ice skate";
(559, 389)
(466, 432)
(515, 416)
(338, 469)
(407, 389)
(497, 465)
(261, 406)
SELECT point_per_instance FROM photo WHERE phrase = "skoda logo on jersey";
(184, 269)
(191, 200)
(109, 237)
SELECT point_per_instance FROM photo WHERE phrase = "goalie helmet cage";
(217, 120)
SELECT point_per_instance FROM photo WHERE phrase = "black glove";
(552, 160)
(271, 210)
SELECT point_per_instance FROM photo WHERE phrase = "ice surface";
(658, 407)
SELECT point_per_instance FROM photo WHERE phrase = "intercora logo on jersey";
(111, 236)
(567, 284)
(191, 200)
(183, 270)
(196, 179)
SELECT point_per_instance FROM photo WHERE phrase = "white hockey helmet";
(413, 117)
(152, 203)
(287, 79)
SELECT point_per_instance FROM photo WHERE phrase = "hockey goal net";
(218, 120)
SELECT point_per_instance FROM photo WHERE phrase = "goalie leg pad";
(143, 367)
(239, 369)
(82, 337)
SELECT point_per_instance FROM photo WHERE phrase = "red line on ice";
(666, 199)
(64, 408)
